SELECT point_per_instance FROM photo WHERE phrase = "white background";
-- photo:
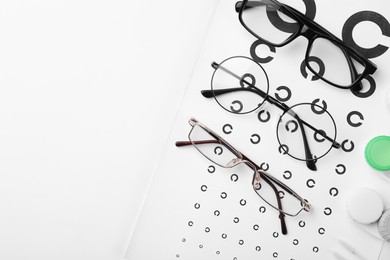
(88, 92)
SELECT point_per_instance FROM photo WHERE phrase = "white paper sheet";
(186, 215)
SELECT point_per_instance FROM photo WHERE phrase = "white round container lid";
(364, 206)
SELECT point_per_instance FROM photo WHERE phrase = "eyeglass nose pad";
(377, 153)
(256, 180)
(234, 162)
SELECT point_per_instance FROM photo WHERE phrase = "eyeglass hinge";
(214, 65)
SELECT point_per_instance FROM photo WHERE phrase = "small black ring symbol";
(311, 183)
(315, 105)
(267, 117)
(284, 99)
(218, 150)
(346, 149)
(334, 192)
(211, 169)
(287, 175)
(294, 128)
(255, 139)
(341, 169)
(240, 106)
(355, 113)
(256, 57)
(264, 166)
(224, 129)
(283, 149)
(369, 92)
(327, 211)
(234, 177)
(244, 78)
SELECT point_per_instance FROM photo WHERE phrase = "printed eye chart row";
(198, 210)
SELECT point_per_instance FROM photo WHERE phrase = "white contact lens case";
(364, 206)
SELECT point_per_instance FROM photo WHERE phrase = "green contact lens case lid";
(378, 153)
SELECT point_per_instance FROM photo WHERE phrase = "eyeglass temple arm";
(186, 143)
(310, 163)
(259, 174)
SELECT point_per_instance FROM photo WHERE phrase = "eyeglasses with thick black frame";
(240, 85)
(274, 192)
(344, 67)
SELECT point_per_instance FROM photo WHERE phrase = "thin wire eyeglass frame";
(257, 175)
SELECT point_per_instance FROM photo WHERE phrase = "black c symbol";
(254, 54)
(245, 78)
(218, 150)
(255, 139)
(234, 177)
(211, 169)
(287, 175)
(240, 106)
(334, 192)
(294, 128)
(311, 183)
(320, 65)
(346, 149)
(350, 24)
(320, 133)
(281, 194)
(287, 90)
(315, 106)
(283, 149)
(262, 209)
(369, 92)
(226, 130)
(266, 119)
(358, 114)
(264, 166)
(341, 169)
(327, 211)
